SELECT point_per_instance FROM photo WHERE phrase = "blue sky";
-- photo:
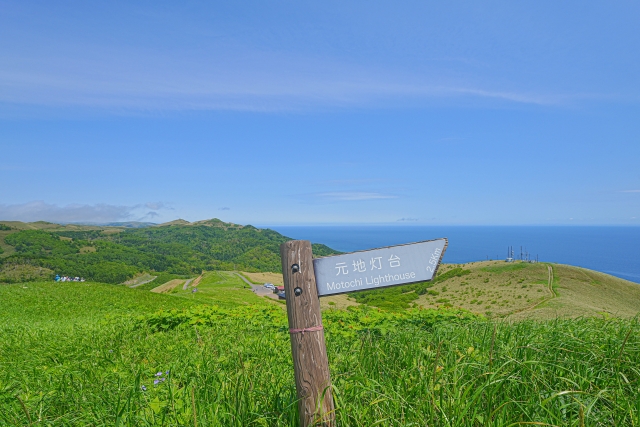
(319, 113)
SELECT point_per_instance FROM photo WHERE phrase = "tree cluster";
(177, 249)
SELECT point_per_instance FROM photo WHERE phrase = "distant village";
(59, 278)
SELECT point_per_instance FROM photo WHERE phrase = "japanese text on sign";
(360, 266)
(396, 265)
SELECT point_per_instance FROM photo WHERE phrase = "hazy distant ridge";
(113, 254)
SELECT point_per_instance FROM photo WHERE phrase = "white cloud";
(98, 213)
(630, 191)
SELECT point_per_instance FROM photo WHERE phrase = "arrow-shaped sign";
(378, 268)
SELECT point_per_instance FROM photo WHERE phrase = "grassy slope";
(87, 302)
(116, 254)
(497, 288)
(501, 289)
(222, 288)
(60, 365)
(516, 291)
(49, 226)
(582, 292)
(139, 279)
(493, 287)
(261, 278)
(56, 303)
(46, 226)
(7, 249)
(168, 287)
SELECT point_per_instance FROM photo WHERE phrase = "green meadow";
(222, 288)
(179, 342)
(90, 354)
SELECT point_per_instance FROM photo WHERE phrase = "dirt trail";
(244, 279)
(553, 291)
(167, 287)
(143, 283)
(197, 281)
(186, 284)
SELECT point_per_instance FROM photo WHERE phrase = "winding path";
(144, 283)
(553, 291)
(244, 279)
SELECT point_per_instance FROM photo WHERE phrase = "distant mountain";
(129, 224)
(114, 254)
(214, 222)
(175, 222)
(44, 225)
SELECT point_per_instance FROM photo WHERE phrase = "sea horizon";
(610, 249)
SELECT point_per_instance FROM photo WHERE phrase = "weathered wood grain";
(311, 366)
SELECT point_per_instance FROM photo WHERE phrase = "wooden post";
(310, 363)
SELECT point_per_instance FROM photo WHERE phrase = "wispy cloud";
(293, 57)
(136, 80)
(629, 191)
(407, 220)
(101, 212)
(353, 196)
(156, 206)
(349, 182)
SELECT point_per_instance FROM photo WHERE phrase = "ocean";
(612, 250)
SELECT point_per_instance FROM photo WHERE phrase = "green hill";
(32, 251)
(542, 291)
(182, 250)
(88, 354)
(48, 304)
(517, 290)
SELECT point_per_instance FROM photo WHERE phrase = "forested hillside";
(113, 255)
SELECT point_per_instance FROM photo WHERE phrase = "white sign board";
(378, 268)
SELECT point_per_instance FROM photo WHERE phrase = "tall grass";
(238, 372)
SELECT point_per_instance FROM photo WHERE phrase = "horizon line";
(333, 224)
